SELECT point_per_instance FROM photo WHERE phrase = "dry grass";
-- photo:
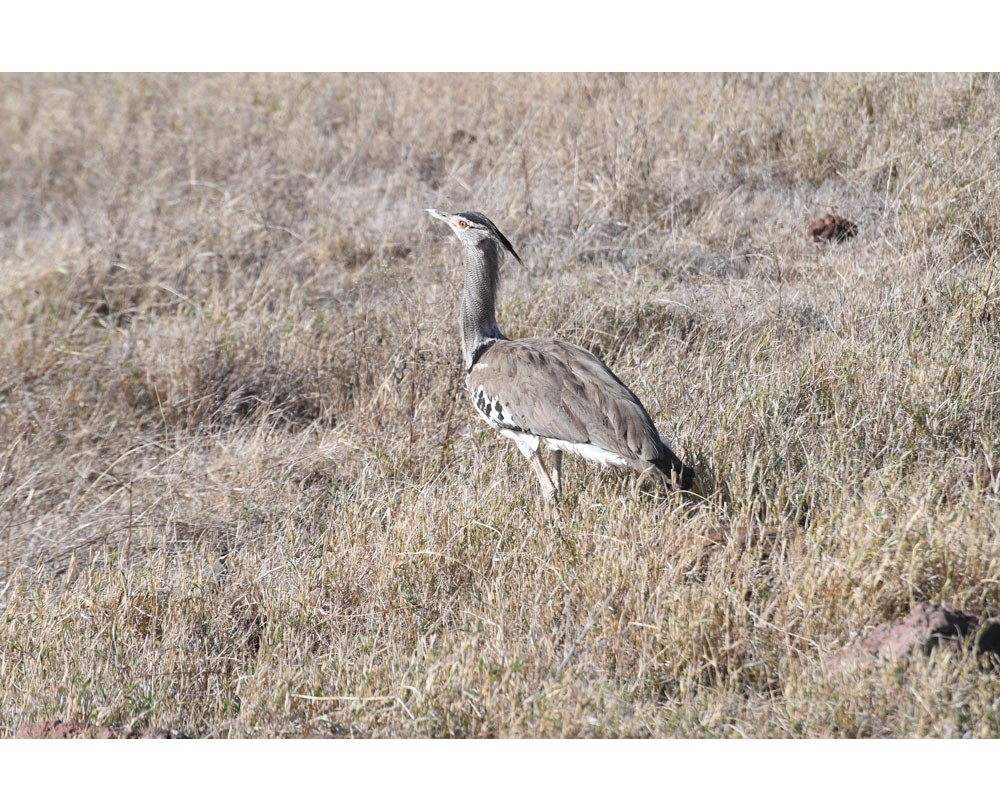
(241, 493)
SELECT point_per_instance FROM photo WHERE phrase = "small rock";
(832, 228)
(988, 637)
(462, 138)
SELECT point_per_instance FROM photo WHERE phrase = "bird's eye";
(463, 224)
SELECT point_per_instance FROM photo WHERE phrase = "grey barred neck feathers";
(538, 391)
(478, 316)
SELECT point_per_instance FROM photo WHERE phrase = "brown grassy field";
(242, 493)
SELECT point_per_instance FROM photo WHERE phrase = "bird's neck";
(479, 316)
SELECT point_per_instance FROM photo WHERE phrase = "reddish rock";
(832, 228)
(922, 630)
(54, 730)
(65, 729)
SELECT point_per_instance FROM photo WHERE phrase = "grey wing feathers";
(560, 391)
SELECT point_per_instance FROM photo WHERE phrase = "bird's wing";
(556, 390)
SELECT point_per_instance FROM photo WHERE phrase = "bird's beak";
(440, 215)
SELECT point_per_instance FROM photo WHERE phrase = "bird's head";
(473, 228)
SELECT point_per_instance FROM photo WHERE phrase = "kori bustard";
(543, 390)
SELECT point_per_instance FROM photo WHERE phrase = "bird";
(545, 391)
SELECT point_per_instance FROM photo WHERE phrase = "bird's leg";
(549, 490)
(529, 446)
(557, 470)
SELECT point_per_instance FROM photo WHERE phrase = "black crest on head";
(486, 222)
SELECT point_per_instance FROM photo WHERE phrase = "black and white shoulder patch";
(492, 410)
